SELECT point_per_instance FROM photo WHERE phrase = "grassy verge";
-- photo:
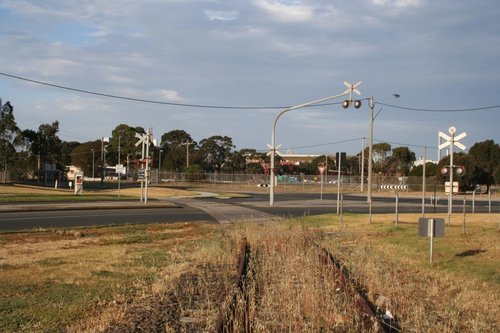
(458, 293)
(178, 277)
(12, 193)
(86, 279)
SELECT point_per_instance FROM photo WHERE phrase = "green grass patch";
(153, 258)
(228, 195)
(46, 307)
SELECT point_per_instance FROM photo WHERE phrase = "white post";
(430, 229)
(473, 201)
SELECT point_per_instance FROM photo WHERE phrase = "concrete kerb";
(167, 202)
(38, 207)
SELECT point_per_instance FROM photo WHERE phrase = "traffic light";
(346, 103)
(460, 170)
(357, 104)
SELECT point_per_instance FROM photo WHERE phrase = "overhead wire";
(439, 110)
(143, 100)
(234, 107)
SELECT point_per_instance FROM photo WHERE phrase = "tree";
(174, 148)
(381, 151)
(353, 166)
(497, 175)
(214, 152)
(486, 157)
(44, 144)
(402, 160)
(66, 152)
(83, 157)
(381, 164)
(123, 138)
(253, 160)
(9, 133)
(430, 170)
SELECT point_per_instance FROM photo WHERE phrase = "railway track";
(240, 315)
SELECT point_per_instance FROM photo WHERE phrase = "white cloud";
(240, 53)
(170, 95)
(286, 11)
(119, 79)
(53, 66)
(100, 33)
(220, 15)
(398, 3)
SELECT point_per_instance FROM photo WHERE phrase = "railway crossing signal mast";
(144, 174)
(451, 141)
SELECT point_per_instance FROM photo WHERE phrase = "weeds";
(179, 277)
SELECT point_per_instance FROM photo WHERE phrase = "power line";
(142, 100)
(323, 144)
(234, 107)
(440, 110)
(405, 144)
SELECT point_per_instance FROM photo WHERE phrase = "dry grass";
(459, 293)
(88, 280)
(8, 189)
(289, 289)
(153, 192)
(176, 278)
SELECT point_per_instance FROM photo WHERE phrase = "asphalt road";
(230, 210)
(82, 218)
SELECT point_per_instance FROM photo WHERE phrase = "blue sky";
(435, 54)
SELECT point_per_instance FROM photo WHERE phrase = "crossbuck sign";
(452, 140)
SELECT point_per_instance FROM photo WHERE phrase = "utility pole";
(187, 144)
(423, 182)
(362, 164)
(370, 162)
(120, 171)
(93, 175)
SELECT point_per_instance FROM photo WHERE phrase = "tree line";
(25, 153)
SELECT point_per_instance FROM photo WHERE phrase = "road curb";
(13, 208)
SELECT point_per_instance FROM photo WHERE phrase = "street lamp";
(348, 91)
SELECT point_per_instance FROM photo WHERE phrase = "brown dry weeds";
(178, 278)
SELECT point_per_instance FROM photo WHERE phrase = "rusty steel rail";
(371, 322)
(223, 325)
